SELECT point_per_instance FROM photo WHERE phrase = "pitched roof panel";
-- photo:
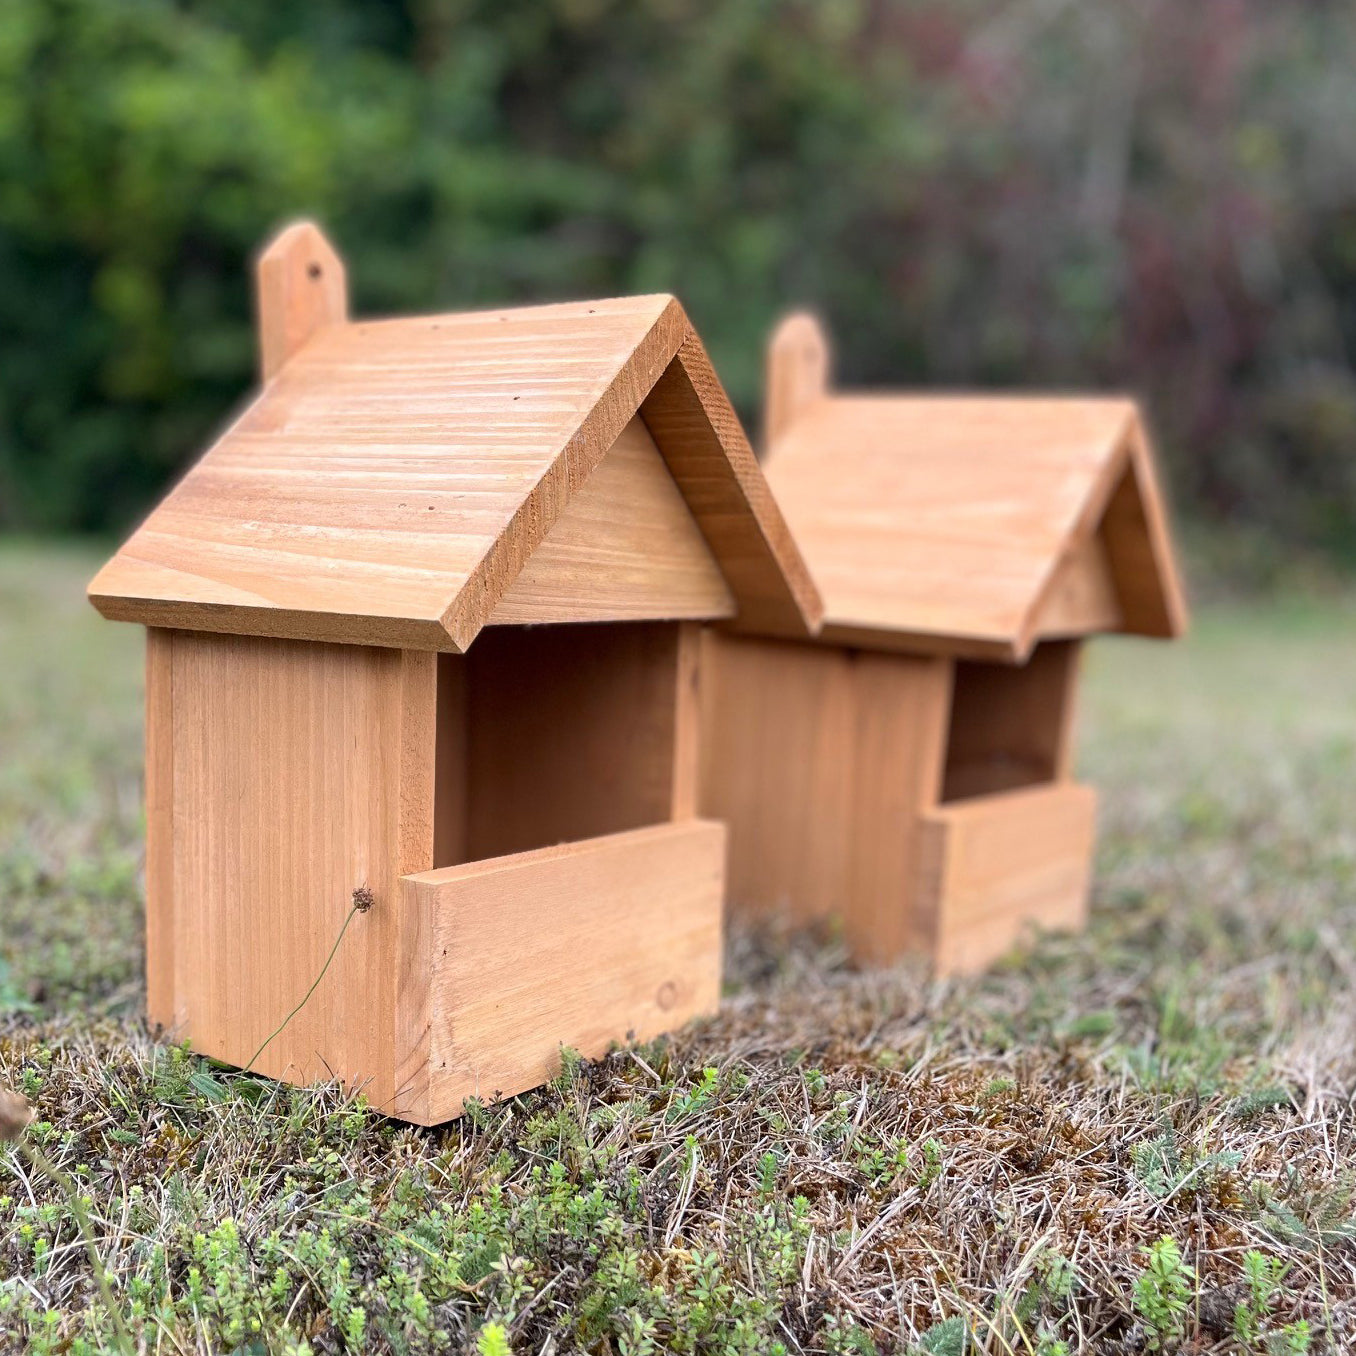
(941, 521)
(390, 481)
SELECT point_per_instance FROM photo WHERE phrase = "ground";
(1137, 1139)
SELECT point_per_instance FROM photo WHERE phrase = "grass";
(1139, 1139)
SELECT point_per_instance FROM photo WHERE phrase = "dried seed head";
(363, 899)
(15, 1113)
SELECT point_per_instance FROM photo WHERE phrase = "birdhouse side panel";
(160, 1007)
(821, 759)
(777, 723)
(298, 780)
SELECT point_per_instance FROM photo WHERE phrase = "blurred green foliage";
(1148, 195)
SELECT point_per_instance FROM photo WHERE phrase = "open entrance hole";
(1010, 724)
(552, 734)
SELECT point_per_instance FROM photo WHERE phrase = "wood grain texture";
(301, 772)
(941, 523)
(820, 761)
(902, 703)
(160, 1007)
(300, 287)
(778, 733)
(687, 724)
(797, 372)
(993, 867)
(1066, 737)
(708, 454)
(394, 477)
(1139, 545)
(582, 945)
(828, 766)
(452, 788)
(626, 547)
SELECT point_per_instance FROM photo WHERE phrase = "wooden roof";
(393, 477)
(968, 524)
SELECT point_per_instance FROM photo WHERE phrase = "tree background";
(1141, 194)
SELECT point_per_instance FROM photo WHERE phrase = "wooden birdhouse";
(422, 630)
(910, 770)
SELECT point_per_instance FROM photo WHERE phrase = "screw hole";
(313, 270)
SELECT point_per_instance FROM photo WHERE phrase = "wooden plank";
(584, 945)
(572, 732)
(300, 287)
(687, 724)
(301, 772)
(820, 761)
(626, 547)
(992, 867)
(797, 372)
(778, 744)
(1064, 740)
(708, 454)
(902, 706)
(1011, 725)
(452, 793)
(160, 1004)
(404, 1008)
(1139, 546)
(1082, 598)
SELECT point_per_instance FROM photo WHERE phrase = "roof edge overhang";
(274, 623)
(475, 601)
(993, 648)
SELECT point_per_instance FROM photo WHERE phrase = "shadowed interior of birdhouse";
(1010, 724)
(553, 734)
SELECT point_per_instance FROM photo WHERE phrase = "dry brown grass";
(839, 1162)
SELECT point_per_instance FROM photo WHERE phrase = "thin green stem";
(43, 1164)
(268, 1040)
